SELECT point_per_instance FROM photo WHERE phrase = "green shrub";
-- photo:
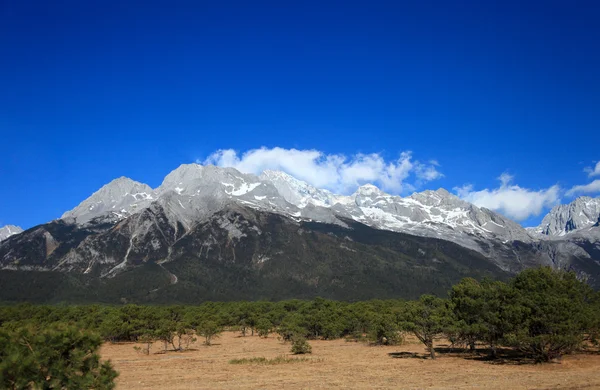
(277, 360)
(384, 331)
(263, 327)
(209, 330)
(300, 345)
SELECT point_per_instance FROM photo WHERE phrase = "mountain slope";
(240, 253)
(215, 233)
(193, 192)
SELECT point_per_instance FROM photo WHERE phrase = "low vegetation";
(276, 360)
(300, 345)
(541, 314)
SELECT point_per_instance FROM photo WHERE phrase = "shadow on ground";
(405, 355)
(504, 356)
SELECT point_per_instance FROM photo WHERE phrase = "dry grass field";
(337, 364)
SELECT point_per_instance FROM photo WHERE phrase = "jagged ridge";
(126, 225)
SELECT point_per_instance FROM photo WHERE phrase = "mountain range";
(215, 233)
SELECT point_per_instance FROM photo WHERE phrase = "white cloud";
(593, 171)
(589, 188)
(510, 199)
(426, 172)
(336, 172)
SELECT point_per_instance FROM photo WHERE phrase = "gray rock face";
(192, 194)
(127, 224)
(297, 192)
(119, 198)
(9, 230)
(583, 212)
(237, 253)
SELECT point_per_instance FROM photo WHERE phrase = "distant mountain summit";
(9, 230)
(193, 192)
(119, 198)
(581, 213)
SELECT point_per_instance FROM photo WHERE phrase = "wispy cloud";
(590, 188)
(593, 171)
(510, 199)
(336, 172)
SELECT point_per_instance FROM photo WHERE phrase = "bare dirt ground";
(337, 364)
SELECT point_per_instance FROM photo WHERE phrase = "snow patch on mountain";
(192, 192)
(9, 230)
(119, 198)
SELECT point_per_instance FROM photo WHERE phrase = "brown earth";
(339, 364)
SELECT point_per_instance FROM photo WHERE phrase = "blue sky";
(90, 91)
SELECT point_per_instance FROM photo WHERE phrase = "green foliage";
(277, 360)
(427, 319)
(324, 319)
(290, 327)
(483, 311)
(300, 345)
(165, 332)
(147, 340)
(114, 328)
(384, 330)
(593, 334)
(243, 326)
(56, 357)
(209, 330)
(542, 313)
(556, 313)
(185, 337)
(264, 327)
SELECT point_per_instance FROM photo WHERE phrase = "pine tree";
(56, 357)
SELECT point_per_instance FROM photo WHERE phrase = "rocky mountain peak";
(562, 219)
(297, 192)
(144, 223)
(438, 198)
(269, 174)
(369, 190)
(369, 195)
(121, 196)
(193, 192)
(443, 193)
(9, 230)
(195, 179)
(184, 174)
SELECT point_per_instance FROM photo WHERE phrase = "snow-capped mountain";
(117, 199)
(205, 218)
(9, 230)
(563, 219)
(297, 192)
(192, 192)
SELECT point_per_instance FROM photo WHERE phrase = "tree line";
(541, 313)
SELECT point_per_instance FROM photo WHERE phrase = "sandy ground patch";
(336, 364)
